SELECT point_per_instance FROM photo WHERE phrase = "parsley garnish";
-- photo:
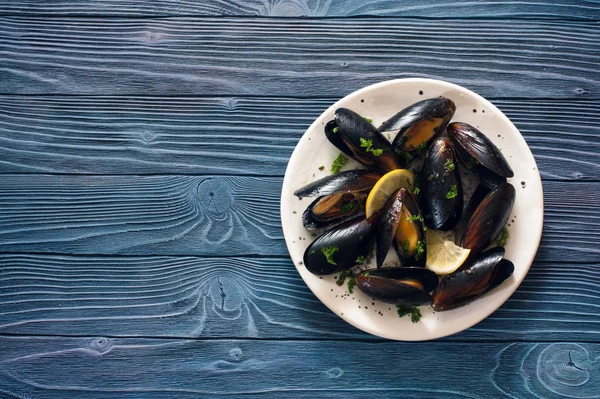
(366, 274)
(329, 252)
(350, 206)
(407, 156)
(501, 241)
(321, 167)
(415, 218)
(338, 163)
(360, 259)
(452, 193)
(419, 249)
(417, 189)
(449, 166)
(420, 148)
(405, 246)
(368, 119)
(336, 129)
(433, 176)
(351, 284)
(342, 276)
(415, 313)
(472, 162)
(367, 144)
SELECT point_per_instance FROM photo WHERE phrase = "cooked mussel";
(341, 196)
(342, 247)
(360, 140)
(473, 279)
(401, 225)
(441, 188)
(488, 219)
(478, 195)
(417, 125)
(480, 149)
(398, 285)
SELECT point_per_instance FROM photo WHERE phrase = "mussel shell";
(478, 195)
(488, 219)
(398, 285)
(351, 129)
(437, 180)
(343, 182)
(484, 175)
(479, 147)
(388, 223)
(419, 124)
(313, 220)
(472, 280)
(352, 239)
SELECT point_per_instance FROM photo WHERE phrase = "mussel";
(441, 188)
(478, 195)
(340, 197)
(488, 219)
(360, 140)
(401, 225)
(342, 247)
(398, 285)
(472, 280)
(479, 154)
(417, 125)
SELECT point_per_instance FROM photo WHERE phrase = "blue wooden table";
(142, 149)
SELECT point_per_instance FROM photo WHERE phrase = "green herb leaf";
(501, 241)
(449, 166)
(350, 206)
(367, 144)
(419, 249)
(415, 218)
(406, 247)
(415, 313)
(416, 183)
(351, 284)
(377, 152)
(336, 129)
(406, 156)
(368, 119)
(329, 251)
(367, 274)
(360, 259)
(452, 193)
(338, 163)
(342, 276)
(321, 167)
(472, 163)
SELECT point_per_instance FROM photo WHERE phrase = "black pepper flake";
(421, 92)
(483, 111)
(373, 303)
(294, 212)
(499, 135)
(474, 110)
(362, 100)
(359, 306)
(366, 307)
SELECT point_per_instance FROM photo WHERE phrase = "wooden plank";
(128, 368)
(239, 136)
(583, 9)
(293, 57)
(212, 215)
(250, 298)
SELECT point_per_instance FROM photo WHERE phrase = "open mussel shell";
(343, 182)
(398, 285)
(441, 187)
(472, 280)
(400, 225)
(488, 219)
(360, 140)
(479, 147)
(417, 125)
(342, 247)
(478, 195)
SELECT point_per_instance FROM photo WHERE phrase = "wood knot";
(227, 298)
(100, 344)
(236, 354)
(334, 372)
(214, 196)
(565, 370)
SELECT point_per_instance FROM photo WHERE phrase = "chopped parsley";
(417, 189)
(501, 241)
(472, 163)
(415, 218)
(360, 259)
(351, 284)
(338, 163)
(415, 313)
(350, 206)
(367, 144)
(419, 249)
(406, 156)
(449, 166)
(346, 274)
(366, 274)
(329, 251)
(368, 119)
(433, 176)
(420, 148)
(452, 193)
(321, 167)
(336, 129)
(405, 247)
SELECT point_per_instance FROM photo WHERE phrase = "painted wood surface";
(213, 215)
(237, 136)
(294, 57)
(43, 367)
(250, 298)
(583, 9)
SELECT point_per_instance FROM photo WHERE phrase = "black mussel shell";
(441, 187)
(484, 175)
(343, 182)
(475, 278)
(479, 147)
(341, 248)
(333, 209)
(399, 285)
(388, 224)
(360, 140)
(488, 219)
(417, 125)
(478, 195)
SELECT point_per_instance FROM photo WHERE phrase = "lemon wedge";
(443, 256)
(386, 186)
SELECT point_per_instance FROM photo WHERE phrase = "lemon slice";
(443, 256)
(386, 186)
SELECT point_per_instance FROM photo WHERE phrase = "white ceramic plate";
(379, 102)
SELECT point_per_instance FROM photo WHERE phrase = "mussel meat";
(342, 247)
(488, 219)
(401, 224)
(398, 285)
(417, 125)
(441, 188)
(341, 196)
(360, 140)
(472, 280)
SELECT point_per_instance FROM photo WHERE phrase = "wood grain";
(293, 57)
(128, 368)
(212, 215)
(238, 136)
(187, 297)
(308, 8)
